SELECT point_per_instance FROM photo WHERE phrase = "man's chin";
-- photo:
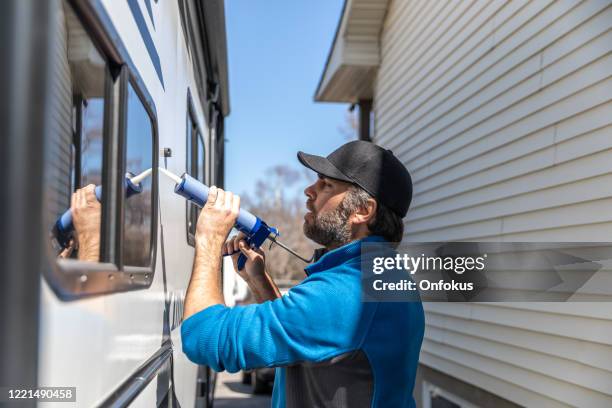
(307, 230)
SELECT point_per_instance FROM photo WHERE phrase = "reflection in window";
(196, 168)
(88, 70)
(92, 116)
(200, 175)
(79, 89)
(192, 210)
(139, 207)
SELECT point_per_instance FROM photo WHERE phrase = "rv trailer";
(94, 90)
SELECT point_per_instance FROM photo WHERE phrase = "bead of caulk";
(171, 175)
(137, 179)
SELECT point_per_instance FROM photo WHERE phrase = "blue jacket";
(334, 349)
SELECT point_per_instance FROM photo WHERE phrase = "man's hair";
(385, 223)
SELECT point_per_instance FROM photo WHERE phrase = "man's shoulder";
(351, 267)
(339, 278)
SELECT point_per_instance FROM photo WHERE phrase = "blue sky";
(277, 51)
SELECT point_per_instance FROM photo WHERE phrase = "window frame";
(191, 158)
(430, 389)
(72, 279)
(130, 79)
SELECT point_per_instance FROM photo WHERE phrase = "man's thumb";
(246, 250)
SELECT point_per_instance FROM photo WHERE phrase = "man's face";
(325, 222)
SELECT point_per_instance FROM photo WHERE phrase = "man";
(332, 349)
(86, 217)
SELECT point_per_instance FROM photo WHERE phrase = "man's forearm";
(205, 287)
(264, 288)
(89, 248)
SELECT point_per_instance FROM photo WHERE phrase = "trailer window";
(79, 98)
(101, 125)
(138, 208)
(196, 161)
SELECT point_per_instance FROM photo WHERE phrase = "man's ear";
(366, 213)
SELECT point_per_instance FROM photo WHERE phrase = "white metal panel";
(502, 111)
(95, 344)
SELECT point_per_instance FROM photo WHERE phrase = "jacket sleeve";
(318, 319)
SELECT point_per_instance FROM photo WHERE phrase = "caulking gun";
(63, 226)
(255, 229)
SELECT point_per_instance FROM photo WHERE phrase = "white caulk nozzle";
(173, 176)
(137, 179)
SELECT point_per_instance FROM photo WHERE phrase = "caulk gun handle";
(257, 239)
(241, 261)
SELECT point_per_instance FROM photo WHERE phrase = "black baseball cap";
(370, 167)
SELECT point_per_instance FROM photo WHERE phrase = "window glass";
(192, 210)
(92, 116)
(200, 172)
(189, 143)
(79, 102)
(439, 401)
(196, 161)
(138, 208)
(88, 71)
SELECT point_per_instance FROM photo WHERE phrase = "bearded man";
(331, 348)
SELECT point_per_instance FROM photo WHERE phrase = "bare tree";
(276, 205)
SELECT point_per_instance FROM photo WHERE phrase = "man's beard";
(330, 229)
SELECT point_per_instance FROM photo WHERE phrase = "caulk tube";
(197, 193)
(63, 226)
(254, 228)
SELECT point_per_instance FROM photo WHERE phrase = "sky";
(276, 54)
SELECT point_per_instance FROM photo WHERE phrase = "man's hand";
(86, 217)
(214, 224)
(254, 271)
(66, 252)
(255, 266)
(217, 217)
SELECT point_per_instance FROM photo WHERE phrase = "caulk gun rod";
(286, 248)
(280, 244)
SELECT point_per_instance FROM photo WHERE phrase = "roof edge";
(215, 37)
(354, 56)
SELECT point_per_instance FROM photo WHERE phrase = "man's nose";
(309, 191)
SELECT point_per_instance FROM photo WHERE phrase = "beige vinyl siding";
(502, 111)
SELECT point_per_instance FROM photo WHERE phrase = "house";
(502, 112)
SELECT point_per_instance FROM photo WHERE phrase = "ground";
(231, 393)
